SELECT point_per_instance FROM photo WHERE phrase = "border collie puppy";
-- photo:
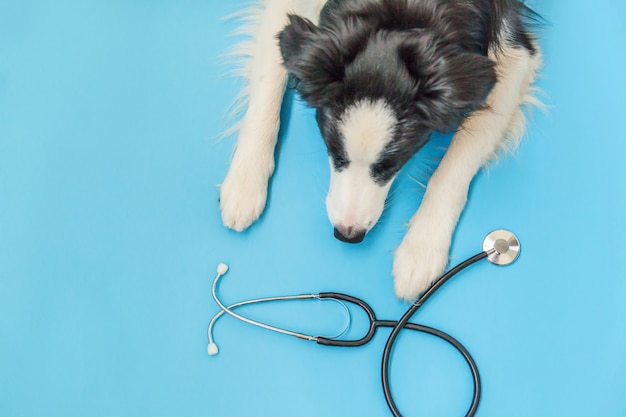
(383, 75)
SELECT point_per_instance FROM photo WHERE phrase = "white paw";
(242, 196)
(419, 260)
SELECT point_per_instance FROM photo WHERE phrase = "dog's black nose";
(349, 234)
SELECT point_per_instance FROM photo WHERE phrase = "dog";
(383, 75)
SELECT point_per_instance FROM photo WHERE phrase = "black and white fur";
(383, 75)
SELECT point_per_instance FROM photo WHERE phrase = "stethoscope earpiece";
(222, 268)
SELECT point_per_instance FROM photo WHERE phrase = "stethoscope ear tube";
(405, 320)
(362, 304)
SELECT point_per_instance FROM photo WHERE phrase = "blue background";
(110, 233)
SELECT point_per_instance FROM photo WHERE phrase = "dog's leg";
(244, 191)
(423, 254)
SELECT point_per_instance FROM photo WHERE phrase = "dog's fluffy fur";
(383, 75)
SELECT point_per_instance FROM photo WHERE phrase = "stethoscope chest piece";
(502, 246)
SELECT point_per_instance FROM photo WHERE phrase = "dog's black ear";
(450, 83)
(313, 59)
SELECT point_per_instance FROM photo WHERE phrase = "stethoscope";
(500, 247)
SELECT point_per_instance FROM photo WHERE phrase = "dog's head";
(379, 95)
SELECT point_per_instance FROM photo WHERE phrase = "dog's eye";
(340, 162)
(383, 170)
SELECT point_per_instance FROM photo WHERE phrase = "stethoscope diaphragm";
(502, 247)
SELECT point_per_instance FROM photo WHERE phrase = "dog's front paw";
(242, 197)
(419, 260)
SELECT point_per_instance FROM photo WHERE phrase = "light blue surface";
(110, 234)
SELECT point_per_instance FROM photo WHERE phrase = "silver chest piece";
(502, 246)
